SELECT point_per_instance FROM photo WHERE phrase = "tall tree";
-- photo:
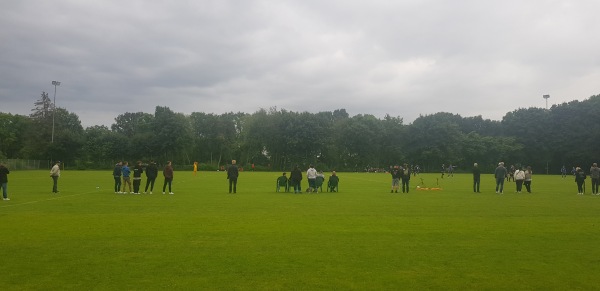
(12, 134)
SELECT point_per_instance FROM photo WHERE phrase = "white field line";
(38, 201)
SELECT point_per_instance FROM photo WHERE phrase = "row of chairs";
(332, 185)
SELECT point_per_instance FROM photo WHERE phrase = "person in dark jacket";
(168, 173)
(476, 178)
(117, 176)
(151, 173)
(4, 181)
(232, 176)
(405, 176)
(580, 180)
(296, 179)
(137, 177)
(500, 174)
(595, 176)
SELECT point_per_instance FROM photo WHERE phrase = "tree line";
(277, 139)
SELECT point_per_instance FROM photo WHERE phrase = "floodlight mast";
(547, 163)
(546, 97)
(55, 83)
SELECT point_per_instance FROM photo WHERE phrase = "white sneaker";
(6, 199)
(150, 192)
(171, 193)
(163, 192)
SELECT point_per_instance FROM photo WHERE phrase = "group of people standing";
(315, 180)
(580, 178)
(400, 174)
(122, 171)
(522, 177)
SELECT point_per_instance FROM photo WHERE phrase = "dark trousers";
(500, 184)
(519, 185)
(150, 182)
(136, 185)
(297, 187)
(233, 183)
(595, 183)
(476, 183)
(117, 183)
(580, 186)
(405, 187)
(55, 186)
(528, 186)
(167, 181)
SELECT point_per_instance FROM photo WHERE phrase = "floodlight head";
(56, 83)
(546, 96)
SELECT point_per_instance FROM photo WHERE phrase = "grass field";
(362, 238)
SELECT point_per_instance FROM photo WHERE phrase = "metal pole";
(55, 83)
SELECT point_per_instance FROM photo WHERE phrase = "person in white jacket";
(54, 174)
(519, 178)
(311, 175)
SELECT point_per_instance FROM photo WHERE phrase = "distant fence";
(18, 164)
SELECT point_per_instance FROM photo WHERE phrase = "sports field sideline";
(361, 238)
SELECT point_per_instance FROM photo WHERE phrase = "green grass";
(362, 238)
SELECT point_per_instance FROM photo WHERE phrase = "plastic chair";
(282, 182)
(333, 184)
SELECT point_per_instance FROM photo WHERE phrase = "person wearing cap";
(55, 174)
(476, 178)
(4, 181)
(500, 173)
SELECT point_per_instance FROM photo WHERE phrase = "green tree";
(12, 134)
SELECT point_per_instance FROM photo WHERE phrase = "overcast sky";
(401, 58)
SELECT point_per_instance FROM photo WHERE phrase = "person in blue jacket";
(126, 173)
